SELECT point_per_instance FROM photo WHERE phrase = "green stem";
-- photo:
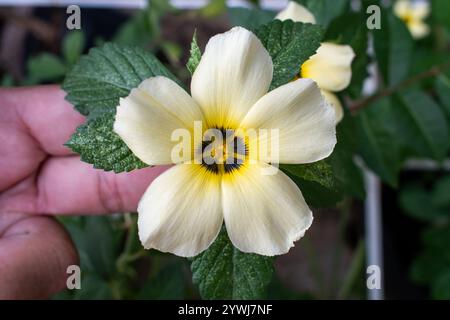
(127, 255)
(356, 267)
(130, 235)
(432, 72)
(115, 290)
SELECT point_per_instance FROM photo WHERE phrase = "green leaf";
(438, 239)
(393, 48)
(377, 141)
(323, 183)
(96, 241)
(427, 267)
(441, 193)
(440, 10)
(289, 44)
(46, 67)
(346, 173)
(97, 82)
(325, 10)
(99, 145)
(144, 26)
(138, 31)
(249, 18)
(73, 46)
(424, 59)
(320, 172)
(315, 194)
(441, 286)
(224, 272)
(421, 125)
(416, 202)
(93, 287)
(167, 284)
(316, 182)
(196, 55)
(434, 261)
(443, 90)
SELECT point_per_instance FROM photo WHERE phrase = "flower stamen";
(223, 152)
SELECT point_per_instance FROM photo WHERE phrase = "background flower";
(414, 14)
(330, 67)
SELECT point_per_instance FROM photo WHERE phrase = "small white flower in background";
(414, 14)
(297, 13)
(182, 211)
(330, 67)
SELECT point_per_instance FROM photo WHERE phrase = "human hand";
(39, 177)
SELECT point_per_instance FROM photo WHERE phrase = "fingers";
(69, 186)
(34, 122)
(34, 254)
(43, 113)
(66, 185)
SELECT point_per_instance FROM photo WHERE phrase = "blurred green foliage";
(115, 266)
(431, 205)
(47, 67)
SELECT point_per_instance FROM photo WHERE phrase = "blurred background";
(330, 261)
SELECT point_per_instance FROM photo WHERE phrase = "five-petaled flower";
(183, 210)
(414, 14)
(330, 67)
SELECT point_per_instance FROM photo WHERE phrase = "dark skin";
(40, 178)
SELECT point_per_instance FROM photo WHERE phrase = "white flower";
(414, 14)
(330, 67)
(182, 211)
(297, 13)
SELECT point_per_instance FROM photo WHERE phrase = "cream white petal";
(418, 29)
(234, 72)
(181, 211)
(146, 119)
(412, 10)
(304, 121)
(297, 13)
(402, 8)
(420, 10)
(263, 214)
(330, 67)
(170, 96)
(334, 102)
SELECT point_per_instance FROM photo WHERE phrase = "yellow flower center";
(407, 18)
(223, 151)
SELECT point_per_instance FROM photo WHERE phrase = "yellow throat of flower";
(305, 69)
(407, 18)
(223, 155)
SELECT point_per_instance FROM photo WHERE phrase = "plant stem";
(432, 72)
(354, 272)
(127, 255)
